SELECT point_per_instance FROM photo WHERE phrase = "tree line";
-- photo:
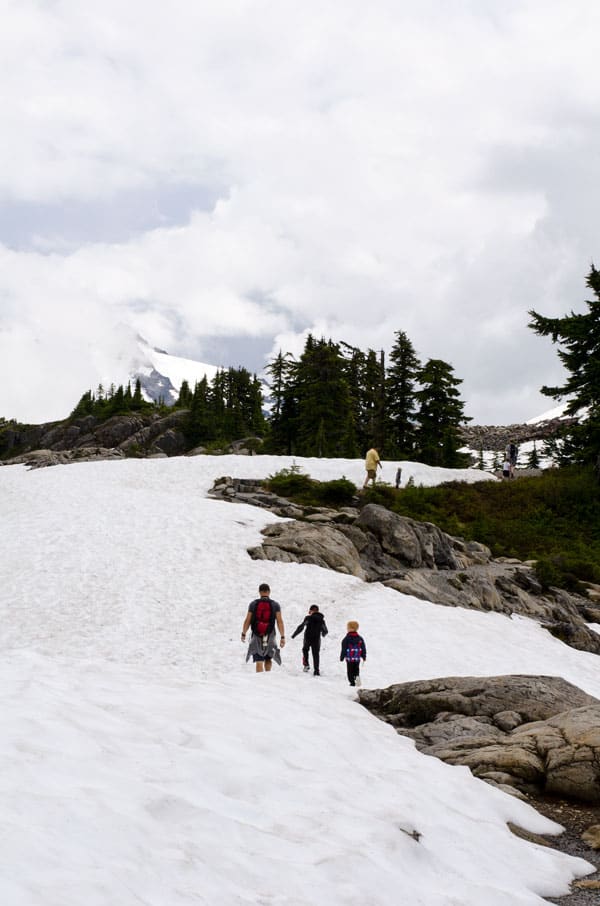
(335, 400)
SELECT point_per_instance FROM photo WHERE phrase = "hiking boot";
(316, 673)
(306, 668)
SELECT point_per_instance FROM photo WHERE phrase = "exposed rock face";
(496, 437)
(414, 558)
(92, 438)
(322, 545)
(530, 734)
(412, 543)
(144, 435)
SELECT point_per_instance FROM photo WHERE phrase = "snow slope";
(149, 361)
(144, 762)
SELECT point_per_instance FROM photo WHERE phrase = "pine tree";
(533, 461)
(401, 400)
(324, 404)
(283, 403)
(116, 404)
(85, 406)
(198, 426)
(184, 400)
(439, 416)
(579, 352)
(138, 400)
(243, 404)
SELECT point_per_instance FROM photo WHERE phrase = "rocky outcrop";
(497, 437)
(525, 734)
(415, 558)
(40, 459)
(321, 545)
(82, 438)
(140, 435)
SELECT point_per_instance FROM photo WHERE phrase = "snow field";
(144, 762)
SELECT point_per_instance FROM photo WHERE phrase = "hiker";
(506, 469)
(372, 461)
(398, 477)
(314, 627)
(353, 649)
(512, 454)
(263, 614)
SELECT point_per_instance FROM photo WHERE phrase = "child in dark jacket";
(314, 627)
(353, 649)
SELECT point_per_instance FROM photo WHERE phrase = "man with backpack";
(262, 617)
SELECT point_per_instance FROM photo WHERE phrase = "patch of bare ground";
(576, 818)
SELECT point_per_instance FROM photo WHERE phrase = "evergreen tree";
(217, 404)
(184, 400)
(138, 401)
(401, 400)
(255, 407)
(243, 404)
(579, 352)
(533, 461)
(116, 405)
(283, 403)
(365, 377)
(324, 404)
(85, 406)
(198, 427)
(374, 402)
(439, 416)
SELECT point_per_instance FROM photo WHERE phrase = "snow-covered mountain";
(161, 374)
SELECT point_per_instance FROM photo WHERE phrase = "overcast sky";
(223, 176)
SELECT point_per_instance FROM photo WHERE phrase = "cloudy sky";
(223, 176)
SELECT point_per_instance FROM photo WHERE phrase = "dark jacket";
(314, 627)
(353, 639)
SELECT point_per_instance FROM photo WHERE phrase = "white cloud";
(396, 167)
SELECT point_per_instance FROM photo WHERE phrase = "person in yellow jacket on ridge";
(372, 461)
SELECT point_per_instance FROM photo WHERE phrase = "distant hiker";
(353, 650)
(398, 477)
(372, 461)
(506, 470)
(263, 614)
(512, 454)
(314, 627)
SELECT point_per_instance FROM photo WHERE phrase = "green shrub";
(547, 573)
(338, 492)
(296, 485)
(290, 482)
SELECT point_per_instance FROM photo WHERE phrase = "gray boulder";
(532, 734)
(412, 543)
(305, 542)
